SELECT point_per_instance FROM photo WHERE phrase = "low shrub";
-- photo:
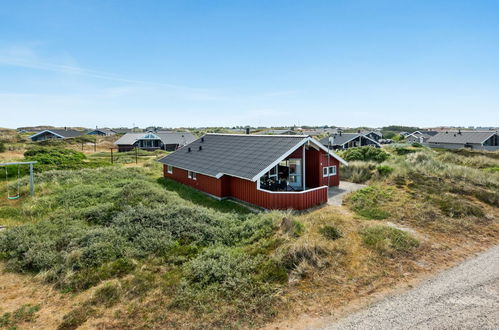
(25, 313)
(384, 170)
(358, 171)
(368, 153)
(76, 317)
(387, 240)
(417, 145)
(368, 201)
(2, 147)
(330, 232)
(456, 207)
(107, 295)
(55, 158)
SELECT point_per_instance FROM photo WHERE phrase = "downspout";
(303, 169)
(328, 157)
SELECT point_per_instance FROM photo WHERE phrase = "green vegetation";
(2, 146)
(50, 158)
(25, 313)
(365, 154)
(330, 232)
(366, 202)
(387, 240)
(93, 225)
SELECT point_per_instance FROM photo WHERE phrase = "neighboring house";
(280, 132)
(480, 140)
(55, 134)
(270, 171)
(102, 132)
(373, 135)
(348, 140)
(122, 130)
(320, 131)
(152, 141)
(420, 136)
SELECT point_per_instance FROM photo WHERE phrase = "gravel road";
(463, 297)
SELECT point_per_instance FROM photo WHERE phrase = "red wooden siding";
(246, 190)
(204, 183)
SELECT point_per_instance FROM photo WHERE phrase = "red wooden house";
(270, 171)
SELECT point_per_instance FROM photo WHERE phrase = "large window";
(295, 173)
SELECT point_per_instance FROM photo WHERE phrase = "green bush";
(2, 147)
(384, 170)
(417, 145)
(55, 158)
(330, 232)
(456, 207)
(387, 240)
(368, 201)
(368, 153)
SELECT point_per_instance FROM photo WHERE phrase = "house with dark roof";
(269, 171)
(154, 140)
(348, 140)
(102, 132)
(373, 135)
(479, 140)
(420, 136)
(49, 134)
(280, 132)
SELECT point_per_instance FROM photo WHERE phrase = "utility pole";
(136, 155)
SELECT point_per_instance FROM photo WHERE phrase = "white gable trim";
(278, 160)
(45, 131)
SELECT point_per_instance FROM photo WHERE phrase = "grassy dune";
(127, 249)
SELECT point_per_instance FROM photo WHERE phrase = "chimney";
(65, 128)
(358, 131)
(247, 130)
(340, 132)
(459, 132)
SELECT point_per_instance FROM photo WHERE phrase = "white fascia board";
(278, 160)
(44, 131)
(334, 155)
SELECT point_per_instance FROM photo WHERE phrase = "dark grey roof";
(103, 130)
(180, 138)
(62, 132)
(338, 140)
(280, 132)
(474, 137)
(241, 155)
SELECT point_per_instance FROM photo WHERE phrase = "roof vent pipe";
(247, 130)
(189, 149)
(202, 139)
(200, 148)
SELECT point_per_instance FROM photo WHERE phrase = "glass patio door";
(295, 173)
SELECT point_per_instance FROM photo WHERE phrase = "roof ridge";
(266, 135)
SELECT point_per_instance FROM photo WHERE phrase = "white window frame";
(329, 171)
(169, 169)
(194, 176)
(191, 175)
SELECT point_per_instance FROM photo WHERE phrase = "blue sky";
(226, 63)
